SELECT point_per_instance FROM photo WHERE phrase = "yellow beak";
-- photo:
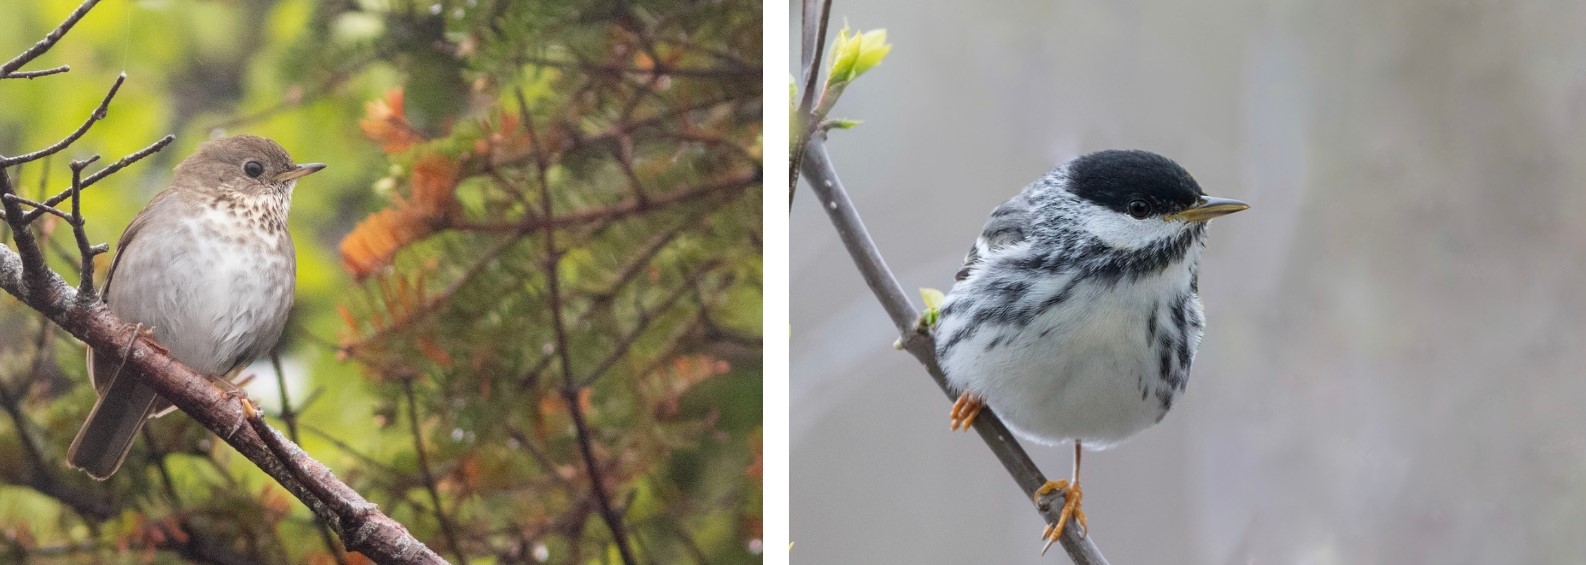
(1209, 207)
(300, 171)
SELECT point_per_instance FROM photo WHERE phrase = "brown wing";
(131, 233)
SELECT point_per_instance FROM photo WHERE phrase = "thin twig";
(37, 74)
(822, 178)
(98, 114)
(433, 303)
(157, 456)
(85, 249)
(111, 169)
(646, 317)
(625, 275)
(428, 475)
(569, 388)
(289, 416)
(49, 39)
(57, 212)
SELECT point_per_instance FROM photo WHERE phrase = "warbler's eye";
(1139, 209)
(253, 168)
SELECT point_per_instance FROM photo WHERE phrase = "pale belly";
(213, 306)
(1095, 380)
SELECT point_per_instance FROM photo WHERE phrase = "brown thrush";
(208, 264)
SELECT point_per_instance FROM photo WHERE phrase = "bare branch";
(39, 205)
(361, 524)
(822, 178)
(48, 41)
(98, 114)
(37, 74)
(428, 475)
(30, 269)
(102, 173)
(86, 250)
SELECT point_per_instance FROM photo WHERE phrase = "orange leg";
(1071, 494)
(965, 409)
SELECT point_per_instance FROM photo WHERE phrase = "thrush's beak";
(300, 171)
(1209, 207)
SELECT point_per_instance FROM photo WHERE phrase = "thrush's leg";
(1071, 509)
(231, 385)
(965, 409)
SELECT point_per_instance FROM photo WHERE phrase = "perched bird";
(1075, 316)
(208, 264)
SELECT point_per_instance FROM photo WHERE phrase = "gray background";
(1393, 369)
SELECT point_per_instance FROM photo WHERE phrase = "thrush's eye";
(1139, 209)
(253, 168)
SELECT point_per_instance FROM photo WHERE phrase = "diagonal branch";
(110, 169)
(49, 40)
(646, 317)
(829, 192)
(98, 114)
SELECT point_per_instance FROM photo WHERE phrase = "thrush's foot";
(232, 390)
(1071, 510)
(965, 409)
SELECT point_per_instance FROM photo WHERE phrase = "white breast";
(211, 303)
(1084, 370)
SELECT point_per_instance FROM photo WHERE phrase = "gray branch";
(830, 195)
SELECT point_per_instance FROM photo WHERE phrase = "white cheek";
(1120, 231)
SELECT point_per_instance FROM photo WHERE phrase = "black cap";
(1114, 178)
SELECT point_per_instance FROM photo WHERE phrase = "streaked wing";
(1005, 227)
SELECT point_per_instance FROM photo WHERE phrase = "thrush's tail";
(124, 405)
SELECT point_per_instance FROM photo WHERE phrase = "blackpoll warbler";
(1075, 316)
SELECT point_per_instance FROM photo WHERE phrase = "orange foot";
(1071, 495)
(965, 410)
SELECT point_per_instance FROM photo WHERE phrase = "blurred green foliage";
(646, 122)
